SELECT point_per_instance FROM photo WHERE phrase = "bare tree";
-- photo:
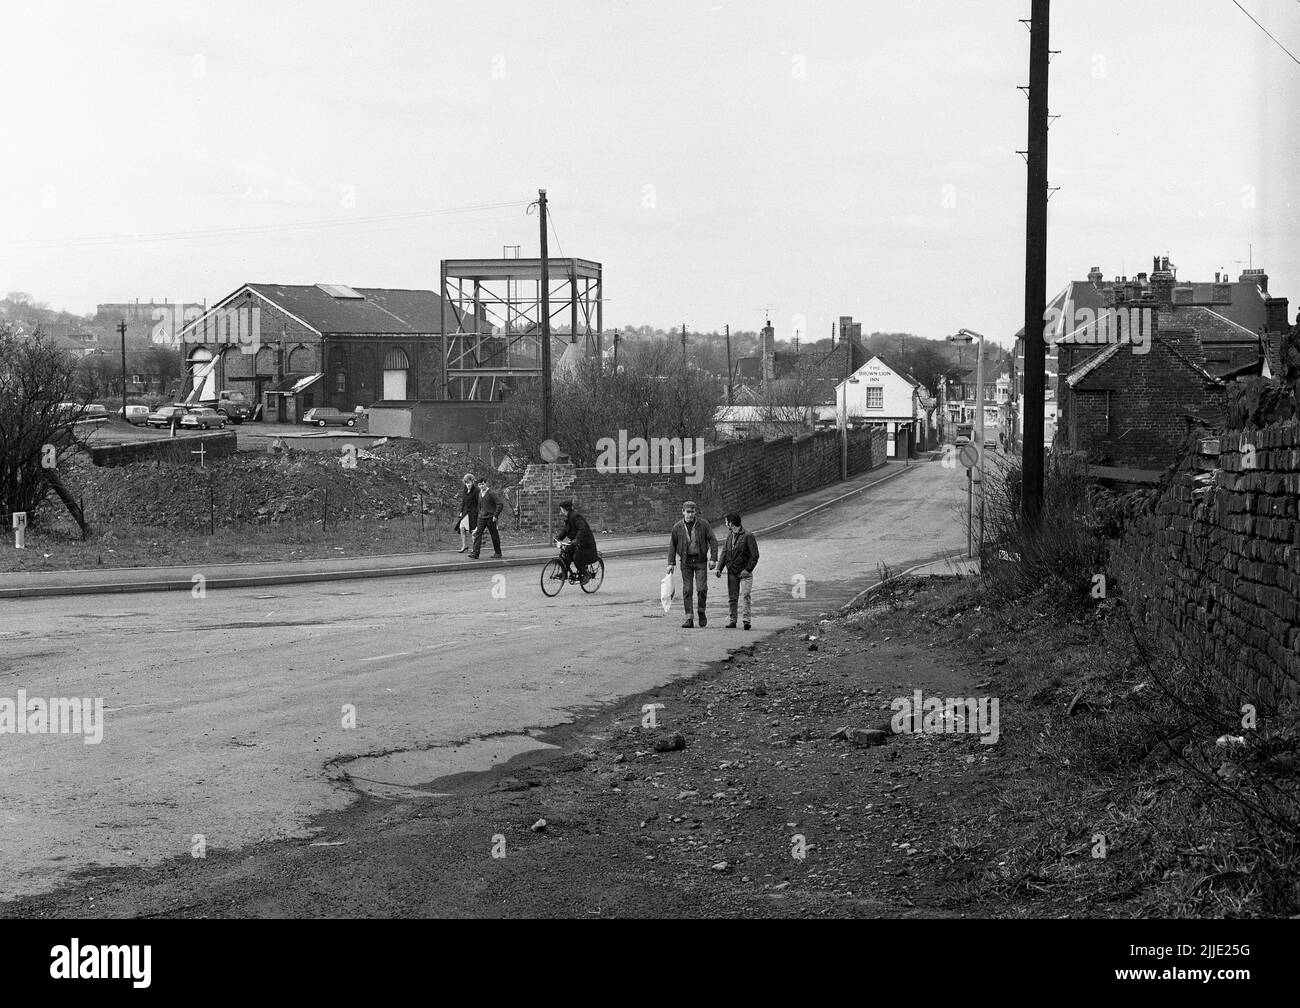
(37, 426)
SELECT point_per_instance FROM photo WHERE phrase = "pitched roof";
(377, 310)
(1185, 348)
(1208, 323)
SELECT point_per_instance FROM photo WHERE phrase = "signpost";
(550, 451)
(20, 530)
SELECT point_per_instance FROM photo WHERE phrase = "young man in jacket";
(577, 544)
(739, 558)
(691, 542)
(489, 509)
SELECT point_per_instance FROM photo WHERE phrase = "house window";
(875, 397)
(341, 382)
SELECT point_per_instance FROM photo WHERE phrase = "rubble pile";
(391, 480)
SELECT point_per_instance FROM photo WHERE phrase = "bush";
(1066, 550)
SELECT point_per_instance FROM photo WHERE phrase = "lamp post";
(969, 336)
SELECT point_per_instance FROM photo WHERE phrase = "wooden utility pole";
(1031, 499)
(683, 343)
(729, 373)
(121, 328)
(546, 321)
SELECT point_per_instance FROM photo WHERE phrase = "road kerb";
(306, 577)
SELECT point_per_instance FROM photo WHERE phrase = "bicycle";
(589, 581)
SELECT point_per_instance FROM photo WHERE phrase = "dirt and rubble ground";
(920, 826)
(293, 505)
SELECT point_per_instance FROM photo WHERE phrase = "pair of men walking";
(479, 510)
(695, 547)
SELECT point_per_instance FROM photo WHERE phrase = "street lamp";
(970, 336)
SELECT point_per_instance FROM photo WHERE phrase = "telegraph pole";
(546, 321)
(121, 328)
(683, 343)
(729, 375)
(1031, 499)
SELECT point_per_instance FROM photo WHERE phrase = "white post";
(20, 530)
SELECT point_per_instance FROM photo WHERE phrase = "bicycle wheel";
(552, 578)
(597, 576)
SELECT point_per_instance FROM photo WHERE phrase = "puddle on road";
(399, 775)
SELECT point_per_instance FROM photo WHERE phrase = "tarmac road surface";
(232, 718)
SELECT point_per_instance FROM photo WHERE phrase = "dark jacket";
(584, 543)
(704, 539)
(740, 554)
(469, 506)
(489, 505)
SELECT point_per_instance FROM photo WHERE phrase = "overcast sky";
(717, 157)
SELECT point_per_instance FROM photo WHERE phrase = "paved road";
(225, 714)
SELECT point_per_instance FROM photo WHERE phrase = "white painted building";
(880, 396)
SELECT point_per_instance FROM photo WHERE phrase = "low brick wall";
(1210, 563)
(215, 445)
(740, 476)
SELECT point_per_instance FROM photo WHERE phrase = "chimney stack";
(1256, 276)
(1094, 275)
(1162, 282)
(769, 352)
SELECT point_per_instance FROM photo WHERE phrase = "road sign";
(550, 451)
(969, 456)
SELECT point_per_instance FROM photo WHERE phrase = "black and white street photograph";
(605, 460)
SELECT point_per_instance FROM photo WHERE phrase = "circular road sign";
(969, 456)
(550, 451)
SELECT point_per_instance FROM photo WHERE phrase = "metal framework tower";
(492, 320)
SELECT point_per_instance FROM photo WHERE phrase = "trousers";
(738, 590)
(694, 577)
(486, 524)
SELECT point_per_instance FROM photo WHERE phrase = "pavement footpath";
(763, 521)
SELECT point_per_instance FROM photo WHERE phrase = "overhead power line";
(1267, 32)
(255, 229)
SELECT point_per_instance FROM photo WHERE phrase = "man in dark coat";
(691, 542)
(739, 558)
(578, 545)
(489, 509)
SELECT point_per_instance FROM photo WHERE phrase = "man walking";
(691, 542)
(489, 509)
(739, 557)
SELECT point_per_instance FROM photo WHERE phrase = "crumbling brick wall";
(739, 476)
(1210, 562)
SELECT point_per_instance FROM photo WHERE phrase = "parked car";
(95, 411)
(204, 417)
(323, 416)
(163, 416)
(134, 415)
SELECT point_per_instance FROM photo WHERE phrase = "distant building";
(150, 321)
(803, 378)
(1229, 328)
(293, 347)
(881, 395)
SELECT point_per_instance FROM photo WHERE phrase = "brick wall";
(1210, 563)
(1130, 410)
(740, 476)
(215, 445)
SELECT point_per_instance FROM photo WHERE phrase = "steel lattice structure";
(492, 320)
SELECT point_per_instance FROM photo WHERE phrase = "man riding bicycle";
(577, 544)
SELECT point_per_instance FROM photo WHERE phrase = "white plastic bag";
(667, 592)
